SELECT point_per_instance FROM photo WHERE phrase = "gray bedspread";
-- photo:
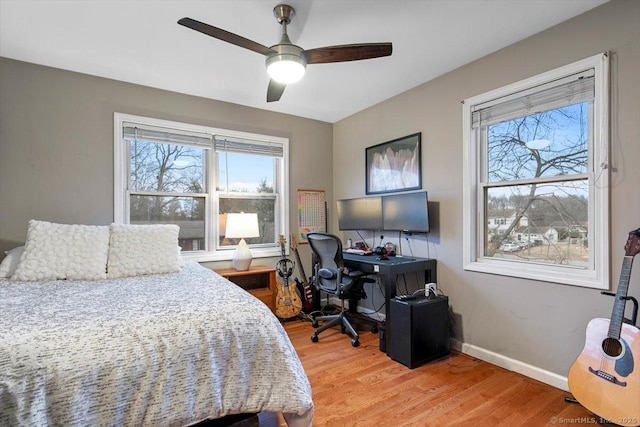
(161, 350)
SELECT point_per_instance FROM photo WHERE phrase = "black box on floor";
(419, 330)
(382, 336)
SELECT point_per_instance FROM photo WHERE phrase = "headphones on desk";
(387, 250)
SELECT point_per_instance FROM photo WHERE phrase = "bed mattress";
(160, 350)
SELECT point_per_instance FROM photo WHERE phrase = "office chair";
(330, 277)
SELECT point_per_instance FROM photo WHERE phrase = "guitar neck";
(282, 266)
(617, 315)
(304, 275)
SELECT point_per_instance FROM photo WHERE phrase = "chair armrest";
(325, 273)
(355, 274)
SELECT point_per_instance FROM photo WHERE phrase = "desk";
(388, 271)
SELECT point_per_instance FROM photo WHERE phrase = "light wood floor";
(363, 387)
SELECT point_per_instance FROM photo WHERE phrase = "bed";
(150, 350)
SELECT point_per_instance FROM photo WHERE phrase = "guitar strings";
(606, 364)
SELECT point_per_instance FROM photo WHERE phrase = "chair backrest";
(327, 249)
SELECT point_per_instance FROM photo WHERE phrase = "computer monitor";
(406, 212)
(364, 213)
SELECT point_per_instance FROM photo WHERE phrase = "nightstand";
(259, 281)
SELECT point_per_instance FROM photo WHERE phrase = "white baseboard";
(525, 369)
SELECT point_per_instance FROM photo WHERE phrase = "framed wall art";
(394, 165)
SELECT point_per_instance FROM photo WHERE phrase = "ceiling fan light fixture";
(286, 68)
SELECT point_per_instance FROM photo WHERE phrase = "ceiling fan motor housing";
(284, 13)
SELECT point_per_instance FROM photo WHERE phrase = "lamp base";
(242, 257)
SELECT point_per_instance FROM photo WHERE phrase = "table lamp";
(241, 225)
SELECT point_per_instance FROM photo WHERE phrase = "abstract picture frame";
(394, 165)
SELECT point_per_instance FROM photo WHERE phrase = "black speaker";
(419, 330)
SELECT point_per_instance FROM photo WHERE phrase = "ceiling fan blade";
(275, 90)
(225, 36)
(347, 52)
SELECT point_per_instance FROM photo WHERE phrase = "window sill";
(202, 256)
(545, 273)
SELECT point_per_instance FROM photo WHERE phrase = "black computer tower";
(419, 330)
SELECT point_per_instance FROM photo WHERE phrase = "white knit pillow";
(143, 249)
(63, 251)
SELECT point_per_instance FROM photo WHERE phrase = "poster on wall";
(312, 213)
(394, 165)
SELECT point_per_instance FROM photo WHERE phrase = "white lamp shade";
(242, 225)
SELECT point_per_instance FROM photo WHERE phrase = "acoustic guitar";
(303, 286)
(288, 302)
(604, 378)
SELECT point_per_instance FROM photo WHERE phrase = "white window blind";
(237, 145)
(140, 132)
(572, 89)
(161, 135)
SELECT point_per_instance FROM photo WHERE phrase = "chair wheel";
(314, 338)
(355, 343)
(343, 330)
(374, 329)
(314, 323)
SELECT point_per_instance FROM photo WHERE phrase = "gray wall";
(56, 144)
(56, 164)
(538, 323)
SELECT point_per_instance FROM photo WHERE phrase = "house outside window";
(536, 177)
(193, 176)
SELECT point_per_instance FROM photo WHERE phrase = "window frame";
(121, 194)
(596, 275)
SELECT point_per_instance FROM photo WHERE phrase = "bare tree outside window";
(536, 194)
(156, 172)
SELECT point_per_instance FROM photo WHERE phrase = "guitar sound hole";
(612, 347)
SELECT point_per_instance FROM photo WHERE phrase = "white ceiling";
(140, 42)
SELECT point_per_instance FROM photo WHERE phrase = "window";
(192, 176)
(536, 177)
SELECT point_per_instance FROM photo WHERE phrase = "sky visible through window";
(564, 128)
(244, 172)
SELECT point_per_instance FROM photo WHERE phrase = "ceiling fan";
(286, 62)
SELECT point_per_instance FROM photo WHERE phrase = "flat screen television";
(364, 213)
(406, 212)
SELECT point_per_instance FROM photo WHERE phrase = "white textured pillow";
(63, 251)
(143, 249)
(10, 262)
